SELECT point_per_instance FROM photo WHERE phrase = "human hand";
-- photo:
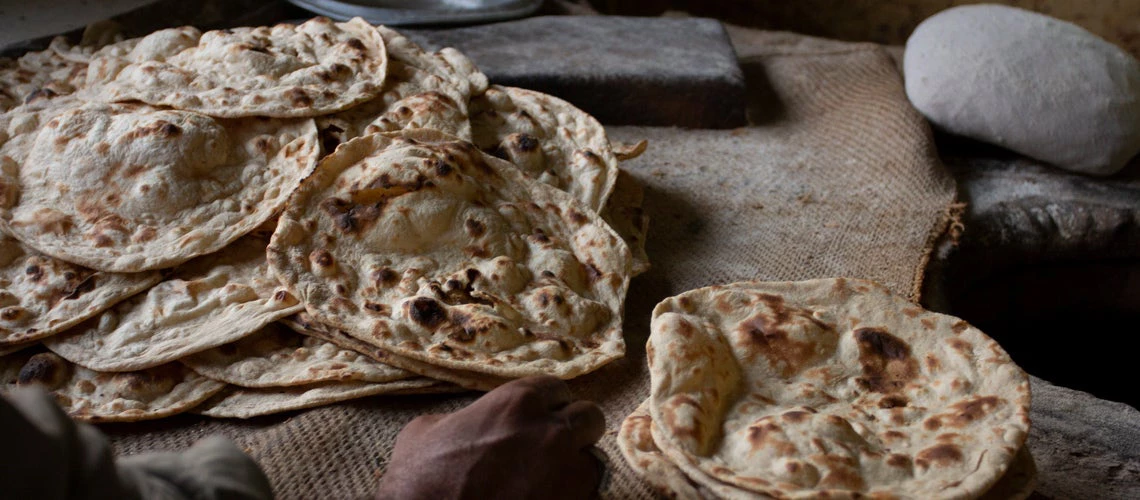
(526, 439)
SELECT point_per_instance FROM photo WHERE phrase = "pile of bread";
(255, 220)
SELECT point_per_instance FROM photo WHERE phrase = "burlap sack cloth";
(838, 176)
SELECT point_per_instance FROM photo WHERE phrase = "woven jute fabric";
(837, 176)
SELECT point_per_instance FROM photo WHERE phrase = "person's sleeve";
(47, 455)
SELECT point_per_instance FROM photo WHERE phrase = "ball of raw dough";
(1042, 87)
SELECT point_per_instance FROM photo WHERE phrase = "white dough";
(1036, 85)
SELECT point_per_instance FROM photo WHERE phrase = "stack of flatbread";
(255, 220)
(829, 388)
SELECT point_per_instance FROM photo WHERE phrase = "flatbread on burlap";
(549, 139)
(128, 187)
(833, 386)
(278, 357)
(91, 396)
(236, 402)
(212, 300)
(311, 69)
(422, 90)
(420, 244)
(41, 296)
(304, 324)
(635, 440)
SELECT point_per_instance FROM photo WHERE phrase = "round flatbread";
(304, 324)
(420, 244)
(423, 90)
(236, 402)
(91, 396)
(836, 387)
(635, 440)
(282, 71)
(207, 302)
(41, 296)
(128, 187)
(279, 357)
(549, 139)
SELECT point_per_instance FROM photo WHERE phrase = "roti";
(213, 300)
(279, 357)
(128, 187)
(423, 90)
(831, 387)
(238, 402)
(91, 396)
(549, 139)
(635, 440)
(283, 71)
(303, 323)
(421, 245)
(41, 296)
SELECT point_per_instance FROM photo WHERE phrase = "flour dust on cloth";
(843, 180)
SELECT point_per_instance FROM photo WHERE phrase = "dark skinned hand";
(526, 439)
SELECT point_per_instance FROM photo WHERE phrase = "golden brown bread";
(836, 386)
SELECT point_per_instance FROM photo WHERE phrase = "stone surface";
(623, 70)
(1021, 210)
(1048, 264)
(1028, 82)
(1084, 447)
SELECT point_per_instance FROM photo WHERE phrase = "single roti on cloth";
(279, 357)
(831, 387)
(282, 71)
(41, 296)
(422, 245)
(212, 300)
(635, 440)
(129, 187)
(304, 324)
(92, 396)
(547, 138)
(422, 90)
